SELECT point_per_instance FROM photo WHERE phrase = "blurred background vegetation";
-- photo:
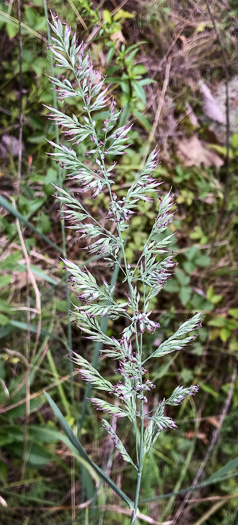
(173, 70)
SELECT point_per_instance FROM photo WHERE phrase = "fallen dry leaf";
(192, 116)
(194, 152)
(118, 38)
(200, 435)
(3, 502)
(210, 106)
(214, 421)
(183, 40)
(10, 145)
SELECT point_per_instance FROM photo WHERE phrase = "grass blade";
(209, 481)
(224, 470)
(5, 17)
(33, 329)
(74, 440)
(7, 206)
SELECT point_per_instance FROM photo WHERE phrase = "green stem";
(140, 468)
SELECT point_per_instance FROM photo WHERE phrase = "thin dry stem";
(159, 109)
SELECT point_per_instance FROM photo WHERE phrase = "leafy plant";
(151, 270)
(131, 78)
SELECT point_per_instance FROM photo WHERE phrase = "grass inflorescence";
(94, 174)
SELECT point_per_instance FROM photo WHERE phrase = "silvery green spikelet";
(93, 174)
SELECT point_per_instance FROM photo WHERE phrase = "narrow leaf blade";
(7, 206)
(74, 440)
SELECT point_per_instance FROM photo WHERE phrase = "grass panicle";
(94, 174)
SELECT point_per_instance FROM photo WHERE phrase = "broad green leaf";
(139, 90)
(234, 140)
(34, 20)
(107, 16)
(12, 29)
(234, 312)
(3, 319)
(186, 375)
(130, 57)
(125, 114)
(122, 15)
(192, 252)
(5, 440)
(47, 435)
(74, 440)
(171, 286)
(189, 266)
(218, 322)
(134, 46)
(185, 295)
(140, 69)
(38, 456)
(210, 293)
(116, 80)
(142, 119)
(5, 280)
(11, 263)
(147, 81)
(203, 260)
(182, 277)
(223, 322)
(20, 411)
(225, 334)
(37, 139)
(110, 55)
